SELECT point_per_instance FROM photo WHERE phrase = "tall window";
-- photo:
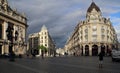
(102, 33)
(94, 28)
(0, 31)
(86, 31)
(102, 29)
(86, 38)
(41, 37)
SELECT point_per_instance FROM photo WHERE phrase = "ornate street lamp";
(10, 37)
(16, 35)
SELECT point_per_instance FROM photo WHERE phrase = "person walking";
(42, 54)
(101, 59)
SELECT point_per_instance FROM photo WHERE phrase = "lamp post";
(5, 42)
(10, 37)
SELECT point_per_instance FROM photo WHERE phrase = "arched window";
(94, 50)
(86, 50)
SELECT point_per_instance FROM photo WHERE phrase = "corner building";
(92, 35)
(11, 20)
(41, 38)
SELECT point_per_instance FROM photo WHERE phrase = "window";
(102, 29)
(103, 37)
(0, 31)
(41, 37)
(45, 37)
(107, 31)
(94, 28)
(86, 30)
(94, 33)
(45, 33)
(94, 38)
(45, 41)
(41, 41)
(86, 38)
(46, 45)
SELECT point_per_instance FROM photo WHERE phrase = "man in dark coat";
(100, 59)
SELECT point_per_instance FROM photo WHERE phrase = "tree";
(43, 48)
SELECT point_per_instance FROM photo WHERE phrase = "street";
(59, 65)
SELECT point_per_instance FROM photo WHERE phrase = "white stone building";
(13, 26)
(92, 35)
(41, 38)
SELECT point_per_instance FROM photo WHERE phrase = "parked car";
(115, 55)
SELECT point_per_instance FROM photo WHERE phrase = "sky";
(61, 16)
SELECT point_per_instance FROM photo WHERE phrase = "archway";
(108, 51)
(94, 50)
(86, 50)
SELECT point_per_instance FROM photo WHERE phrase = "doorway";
(94, 50)
(86, 50)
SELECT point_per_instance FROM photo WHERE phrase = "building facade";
(13, 27)
(41, 38)
(92, 35)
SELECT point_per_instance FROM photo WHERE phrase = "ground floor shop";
(92, 49)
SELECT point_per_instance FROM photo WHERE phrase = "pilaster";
(99, 48)
(5, 25)
(83, 49)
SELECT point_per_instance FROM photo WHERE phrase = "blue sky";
(61, 16)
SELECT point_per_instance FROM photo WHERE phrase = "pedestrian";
(42, 54)
(12, 56)
(101, 59)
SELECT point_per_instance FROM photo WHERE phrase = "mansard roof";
(93, 5)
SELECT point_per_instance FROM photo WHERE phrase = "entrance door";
(103, 49)
(86, 50)
(94, 50)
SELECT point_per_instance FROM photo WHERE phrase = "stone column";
(105, 49)
(4, 30)
(99, 48)
(83, 49)
(6, 49)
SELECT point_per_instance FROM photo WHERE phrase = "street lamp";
(4, 43)
(10, 37)
(16, 35)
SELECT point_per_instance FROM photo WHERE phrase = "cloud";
(61, 16)
(116, 21)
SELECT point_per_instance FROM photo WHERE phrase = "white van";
(115, 55)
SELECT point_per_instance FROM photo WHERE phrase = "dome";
(93, 5)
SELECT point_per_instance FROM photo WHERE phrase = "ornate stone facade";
(92, 35)
(13, 26)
